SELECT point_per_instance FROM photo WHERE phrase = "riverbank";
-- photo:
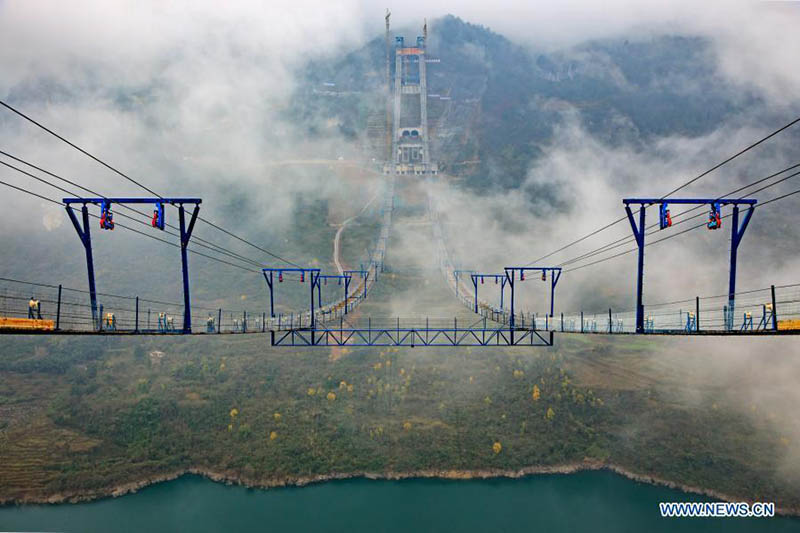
(233, 478)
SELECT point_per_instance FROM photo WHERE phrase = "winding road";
(338, 236)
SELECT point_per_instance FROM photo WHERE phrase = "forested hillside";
(506, 100)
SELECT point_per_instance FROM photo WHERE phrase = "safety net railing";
(34, 306)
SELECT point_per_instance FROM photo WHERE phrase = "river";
(594, 501)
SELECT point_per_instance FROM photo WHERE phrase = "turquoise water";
(587, 501)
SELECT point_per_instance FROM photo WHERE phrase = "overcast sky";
(755, 40)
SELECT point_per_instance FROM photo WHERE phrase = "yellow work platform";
(26, 323)
(789, 324)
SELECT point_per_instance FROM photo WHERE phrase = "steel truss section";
(411, 337)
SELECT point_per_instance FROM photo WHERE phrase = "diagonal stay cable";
(125, 176)
(71, 193)
(629, 239)
(686, 184)
(777, 198)
(196, 239)
(56, 202)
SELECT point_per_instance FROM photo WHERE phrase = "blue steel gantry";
(457, 273)
(737, 232)
(364, 275)
(499, 279)
(342, 279)
(106, 222)
(511, 276)
(313, 274)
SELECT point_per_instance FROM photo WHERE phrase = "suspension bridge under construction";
(491, 297)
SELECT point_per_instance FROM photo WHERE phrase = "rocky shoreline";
(234, 478)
